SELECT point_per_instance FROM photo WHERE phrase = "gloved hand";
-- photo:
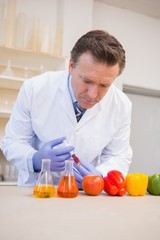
(82, 170)
(57, 155)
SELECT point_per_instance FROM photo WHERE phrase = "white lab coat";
(44, 111)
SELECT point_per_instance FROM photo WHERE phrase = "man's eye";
(104, 86)
(86, 81)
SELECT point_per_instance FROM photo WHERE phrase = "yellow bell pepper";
(136, 184)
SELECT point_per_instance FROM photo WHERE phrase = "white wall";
(140, 36)
(77, 21)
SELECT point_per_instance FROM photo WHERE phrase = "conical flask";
(44, 187)
(68, 187)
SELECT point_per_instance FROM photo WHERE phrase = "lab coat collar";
(89, 114)
(66, 101)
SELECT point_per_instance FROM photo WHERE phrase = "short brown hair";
(102, 46)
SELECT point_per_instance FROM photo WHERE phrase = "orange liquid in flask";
(68, 187)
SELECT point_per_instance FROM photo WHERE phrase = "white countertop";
(102, 217)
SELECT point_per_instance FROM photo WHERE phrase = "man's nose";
(93, 91)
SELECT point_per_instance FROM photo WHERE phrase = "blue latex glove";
(57, 155)
(82, 170)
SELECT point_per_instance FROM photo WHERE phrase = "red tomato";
(93, 184)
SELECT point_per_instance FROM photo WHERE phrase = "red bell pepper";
(114, 183)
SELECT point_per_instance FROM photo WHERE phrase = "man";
(80, 106)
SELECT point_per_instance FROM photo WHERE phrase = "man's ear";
(71, 65)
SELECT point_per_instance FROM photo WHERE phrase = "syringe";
(75, 158)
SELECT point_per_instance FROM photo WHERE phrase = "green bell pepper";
(154, 184)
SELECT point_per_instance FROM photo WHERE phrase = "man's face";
(91, 80)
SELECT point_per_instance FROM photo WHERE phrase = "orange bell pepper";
(136, 184)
